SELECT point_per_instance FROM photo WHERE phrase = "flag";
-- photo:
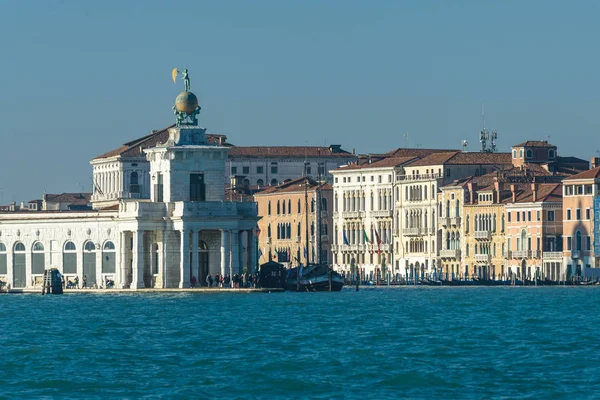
(274, 254)
(345, 239)
(365, 236)
(378, 242)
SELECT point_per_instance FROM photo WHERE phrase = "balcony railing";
(521, 254)
(381, 213)
(482, 258)
(455, 221)
(450, 253)
(420, 177)
(552, 255)
(482, 235)
(351, 214)
(535, 254)
(443, 221)
(411, 231)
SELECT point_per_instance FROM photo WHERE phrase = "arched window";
(69, 258)
(273, 182)
(3, 259)
(300, 208)
(283, 207)
(278, 207)
(457, 209)
(324, 204)
(246, 182)
(269, 208)
(109, 254)
(260, 183)
(529, 153)
(269, 231)
(551, 154)
(134, 186)
(578, 241)
(467, 224)
(502, 223)
(38, 259)
(289, 206)
(523, 240)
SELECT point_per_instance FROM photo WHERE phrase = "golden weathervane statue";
(186, 107)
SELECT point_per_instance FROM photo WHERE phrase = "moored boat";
(314, 278)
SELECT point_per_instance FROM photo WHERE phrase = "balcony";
(552, 256)
(385, 247)
(455, 221)
(381, 213)
(535, 254)
(450, 253)
(351, 214)
(411, 231)
(521, 254)
(443, 221)
(575, 254)
(482, 235)
(421, 177)
(482, 258)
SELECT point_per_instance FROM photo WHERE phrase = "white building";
(363, 211)
(159, 218)
(272, 165)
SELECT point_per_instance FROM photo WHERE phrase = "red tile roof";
(386, 162)
(295, 185)
(286, 151)
(534, 143)
(404, 152)
(72, 198)
(589, 174)
(462, 158)
(135, 147)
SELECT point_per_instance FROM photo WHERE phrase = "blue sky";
(80, 78)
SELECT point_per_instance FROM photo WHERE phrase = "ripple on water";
(380, 342)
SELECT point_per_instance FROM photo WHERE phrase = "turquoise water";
(472, 342)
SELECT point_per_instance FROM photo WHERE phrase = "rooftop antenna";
(406, 143)
(485, 136)
(464, 145)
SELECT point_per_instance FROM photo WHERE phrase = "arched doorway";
(108, 259)
(523, 268)
(19, 280)
(202, 262)
(89, 263)
(38, 261)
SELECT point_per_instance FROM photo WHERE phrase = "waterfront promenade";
(168, 290)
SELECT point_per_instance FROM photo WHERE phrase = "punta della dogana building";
(158, 217)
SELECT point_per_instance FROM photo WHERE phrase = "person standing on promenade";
(84, 282)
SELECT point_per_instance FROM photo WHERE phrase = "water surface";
(471, 342)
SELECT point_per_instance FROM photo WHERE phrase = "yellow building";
(283, 223)
(484, 251)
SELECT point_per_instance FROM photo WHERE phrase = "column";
(138, 260)
(194, 268)
(224, 252)
(122, 279)
(252, 250)
(165, 257)
(184, 267)
(234, 267)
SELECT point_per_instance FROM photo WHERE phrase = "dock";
(151, 290)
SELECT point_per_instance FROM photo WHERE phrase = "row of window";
(572, 190)
(260, 169)
(362, 178)
(285, 207)
(529, 153)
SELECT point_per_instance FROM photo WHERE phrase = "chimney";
(534, 191)
(514, 194)
(498, 187)
(472, 186)
(595, 162)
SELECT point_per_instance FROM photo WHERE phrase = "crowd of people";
(237, 281)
